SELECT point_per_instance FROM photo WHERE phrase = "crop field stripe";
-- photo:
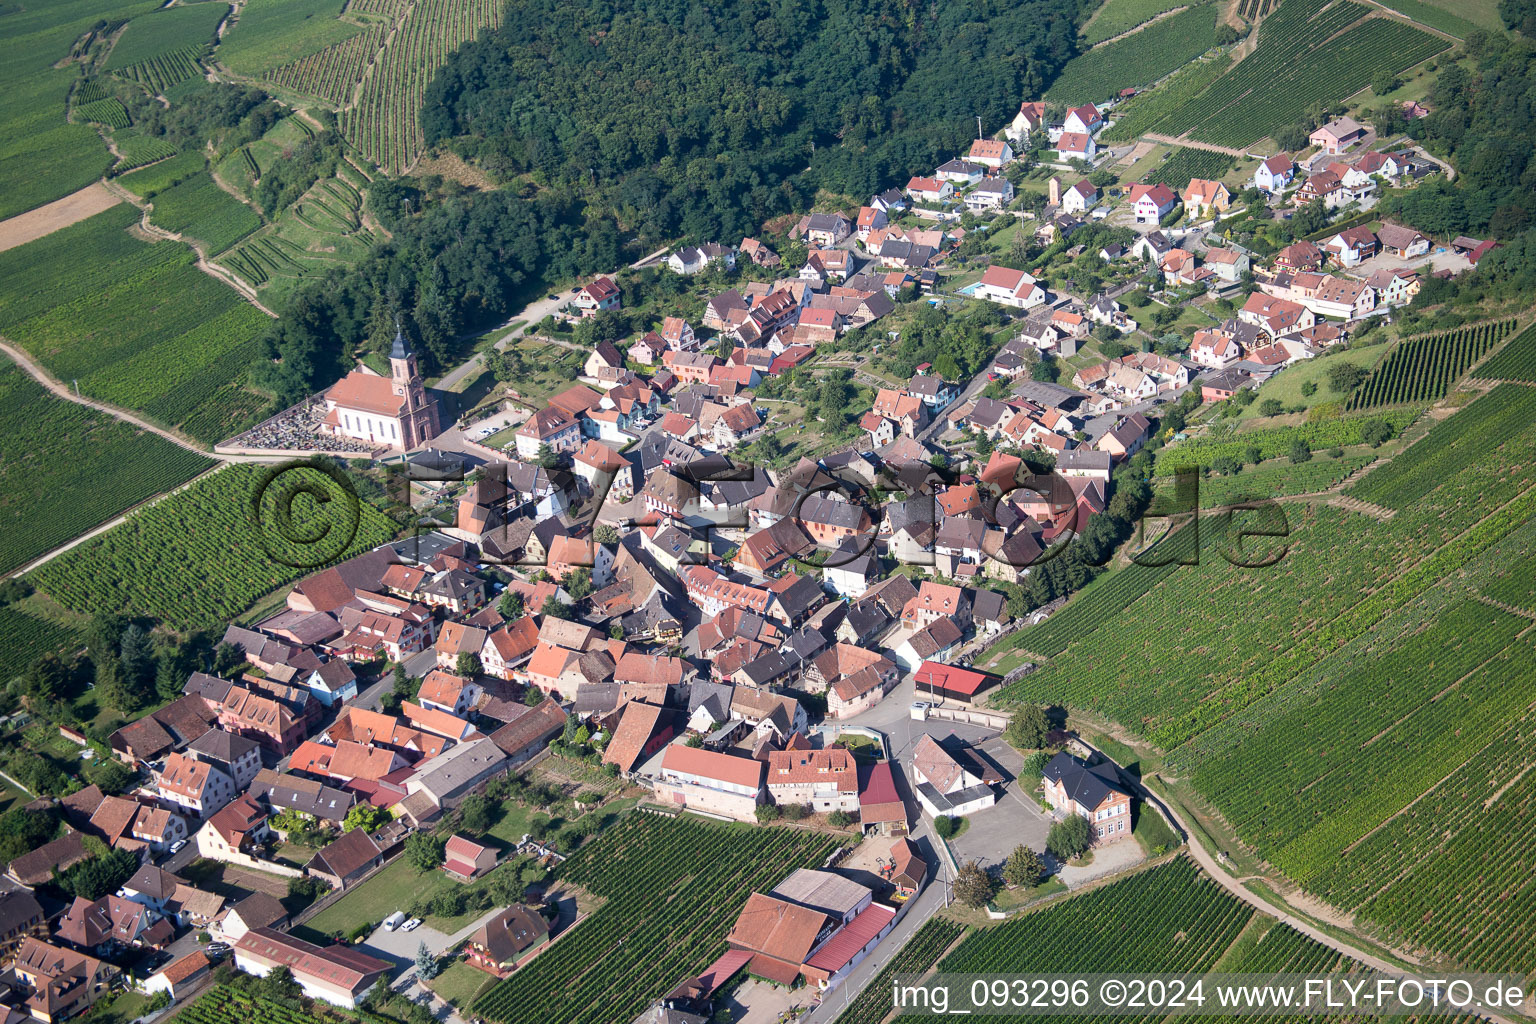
(1515, 362)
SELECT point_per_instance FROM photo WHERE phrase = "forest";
(706, 120)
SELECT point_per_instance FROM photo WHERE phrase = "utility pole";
(978, 127)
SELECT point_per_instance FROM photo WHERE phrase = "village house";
(1009, 287)
(194, 787)
(929, 190)
(338, 974)
(1338, 136)
(1076, 146)
(826, 780)
(598, 296)
(1275, 174)
(1030, 118)
(691, 259)
(959, 172)
(1085, 119)
(507, 941)
(1325, 186)
(346, 860)
(1094, 792)
(1276, 316)
(993, 153)
(946, 784)
(1151, 203)
(823, 228)
(1127, 437)
(549, 426)
(1227, 265)
(1351, 246)
(1080, 198)
(1402, 242)
(711, 782)
(1214, 349)
(989, 194)
(1202, 198)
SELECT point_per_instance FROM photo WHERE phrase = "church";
(394, 410)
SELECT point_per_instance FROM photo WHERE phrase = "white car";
(411, 925)
(178, 845)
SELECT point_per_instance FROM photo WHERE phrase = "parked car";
(394, 920)
(411, 925)
(178, 846)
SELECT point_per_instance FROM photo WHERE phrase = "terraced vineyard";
(195, 560)
(673, 888)
(139, 150)
(1143, 112)
(1517, 360)
(109, 112)
(1423, 369)
(160, 73)
(188, 30)
(321, 230)
(68, 469)
(90, 303)
(1305, 56)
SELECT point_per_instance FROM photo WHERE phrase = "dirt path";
(61, 213)
(204, 264)
(1282, 913)
(1192, 144)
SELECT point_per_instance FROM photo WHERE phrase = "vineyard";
(1169, 919)
(1225, 637)
(1516, 362)
(1185, 163)
(1423, 369)
(332, 74)
(1434, 16)
(109, 112)
(152, 180)
(199, 209)
(1253, 10)
(196, 560)
(224, 1004)
(1279, 478)
(1137, 59)
(1306, 55)
(1117, 16)
(160, 73)
(189, 28)
(270, 33)
(1274, 442)
(133, 323)
(1486, 425)
(385, 125)
(323, 229)
(918, 955)
(673, 888)
(139, 150)
(68, 468)
(25, 638)
(1143, 112)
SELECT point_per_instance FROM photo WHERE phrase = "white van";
(394, 920)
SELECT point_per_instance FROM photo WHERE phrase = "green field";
(321, 231)
(199, 209)
(1305, 55)
(41, 156)
(1285, 387)
(1117, 16)
(167, 31)
(1271, 442)
(65, 468)
(1138, 59)
(196, 559)
(134, 323)
(270, 33)
(673, 887)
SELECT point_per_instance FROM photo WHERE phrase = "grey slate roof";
(1087, 785)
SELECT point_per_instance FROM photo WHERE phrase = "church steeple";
(406, 378)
